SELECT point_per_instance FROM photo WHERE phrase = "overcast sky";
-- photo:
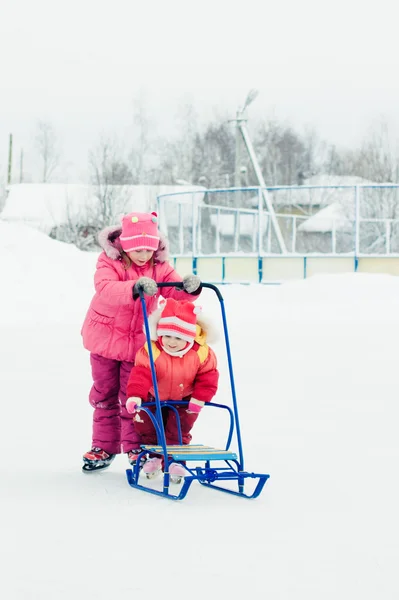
(80, 64)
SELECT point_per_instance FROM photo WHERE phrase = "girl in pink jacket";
(135, 256)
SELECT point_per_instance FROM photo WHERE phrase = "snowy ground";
(316, 372)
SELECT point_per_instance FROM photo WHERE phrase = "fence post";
(357, 221)
(388, 238)
(199, 229)
(333, 238)
(269, 234)
(260, 222)
(194, 227)
(236, 228)
(181, 232)
(217, 231)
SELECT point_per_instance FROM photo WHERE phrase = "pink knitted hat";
(178, 319)
(139, 232)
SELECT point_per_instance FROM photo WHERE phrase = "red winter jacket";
(193, 375)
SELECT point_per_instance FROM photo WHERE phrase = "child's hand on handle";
(133, 404)
(191, 283)
(146, 284)
(195, 406)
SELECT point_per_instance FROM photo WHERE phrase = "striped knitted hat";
(178, 319)
(139, 232)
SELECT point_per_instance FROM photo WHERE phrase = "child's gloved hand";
(191, 283)
(132, 404)
(146, 284)
(195, 406)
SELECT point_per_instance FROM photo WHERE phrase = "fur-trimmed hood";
(108, 238)
(206, 331)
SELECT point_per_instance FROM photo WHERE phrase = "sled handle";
(179, 284)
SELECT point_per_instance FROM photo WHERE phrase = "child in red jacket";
(186, 369)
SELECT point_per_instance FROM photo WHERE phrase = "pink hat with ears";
(139, 232)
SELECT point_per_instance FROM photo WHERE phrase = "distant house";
(332, 229)
(329, 230)
(303, 200)
(294, 206)
(328, 219)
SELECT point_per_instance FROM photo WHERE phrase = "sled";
(217, 465)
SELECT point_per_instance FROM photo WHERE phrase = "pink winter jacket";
(113, 326)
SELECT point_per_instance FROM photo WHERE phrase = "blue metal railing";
(362, 227)
(364, 224)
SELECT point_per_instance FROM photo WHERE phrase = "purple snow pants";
(112, 425)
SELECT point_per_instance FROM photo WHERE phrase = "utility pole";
(242, 132)
(9, 160)
(237, 163)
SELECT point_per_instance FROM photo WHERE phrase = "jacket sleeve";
(171, 292)
(206, 381)
(108, 284)
(140, 380)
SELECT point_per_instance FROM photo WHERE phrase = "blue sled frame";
(229, 465)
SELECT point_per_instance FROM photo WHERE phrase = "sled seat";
(193, 452)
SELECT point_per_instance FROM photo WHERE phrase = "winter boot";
(96, 460)
(132, 458)
(152, 467)
(176, 472)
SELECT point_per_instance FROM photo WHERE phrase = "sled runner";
(217, 465)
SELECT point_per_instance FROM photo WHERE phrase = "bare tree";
(375, 161)
(139, 155)
(212, 156)
(315, 153)
(110, 173)
(47, 146)
(108, 198)
(178, 155)
(378, 158)
(282, 152)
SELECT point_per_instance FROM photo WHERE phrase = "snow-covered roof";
(303, 196)
(328, 219)
(44, 206)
